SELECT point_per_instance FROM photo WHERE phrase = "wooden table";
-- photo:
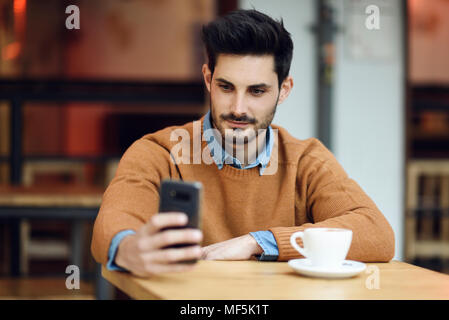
(74, 203)
(243, 280)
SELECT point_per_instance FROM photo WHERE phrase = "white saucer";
(347, 269)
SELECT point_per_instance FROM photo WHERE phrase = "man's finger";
(171, 237)
(164, 220)
(168, 238)
(173, 256)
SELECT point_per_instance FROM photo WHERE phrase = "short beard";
(264, 124)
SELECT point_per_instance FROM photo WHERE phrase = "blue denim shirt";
(265, 239)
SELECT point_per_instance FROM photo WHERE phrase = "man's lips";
(237, 124)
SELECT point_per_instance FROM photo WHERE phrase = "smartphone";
(180, 196)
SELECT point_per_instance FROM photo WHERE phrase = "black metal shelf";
(428, 142)
(71, 158)
(113, 91)
(17, 92)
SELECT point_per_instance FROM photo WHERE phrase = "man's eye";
(257, 92)
(225, 87)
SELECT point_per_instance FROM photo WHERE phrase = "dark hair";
(250, 32)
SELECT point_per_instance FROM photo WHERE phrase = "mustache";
(232, 117)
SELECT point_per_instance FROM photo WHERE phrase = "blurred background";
(371, 82)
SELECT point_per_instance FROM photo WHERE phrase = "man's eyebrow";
(260, 85)
(257, 85)
(224, 81)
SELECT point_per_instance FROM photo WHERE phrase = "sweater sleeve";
(132, 196)
(333, 200)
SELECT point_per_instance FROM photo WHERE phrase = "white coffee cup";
(324, 247)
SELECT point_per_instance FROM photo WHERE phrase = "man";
(260, 184)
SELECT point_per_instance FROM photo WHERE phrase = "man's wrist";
(123, 248)
(256, 249)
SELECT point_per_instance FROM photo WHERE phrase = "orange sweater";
(309, 189)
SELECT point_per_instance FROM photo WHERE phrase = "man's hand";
(241, 248)
(143, 255)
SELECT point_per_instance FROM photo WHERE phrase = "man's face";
(244, 93)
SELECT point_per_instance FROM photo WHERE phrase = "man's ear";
(207, 75)
(286, 87)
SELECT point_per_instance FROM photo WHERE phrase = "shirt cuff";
(267, 242)
(113, 248)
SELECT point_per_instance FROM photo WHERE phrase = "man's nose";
(239, 105)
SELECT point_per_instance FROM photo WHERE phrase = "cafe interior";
(81, 80)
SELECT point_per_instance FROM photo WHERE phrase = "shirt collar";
(222, 157)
